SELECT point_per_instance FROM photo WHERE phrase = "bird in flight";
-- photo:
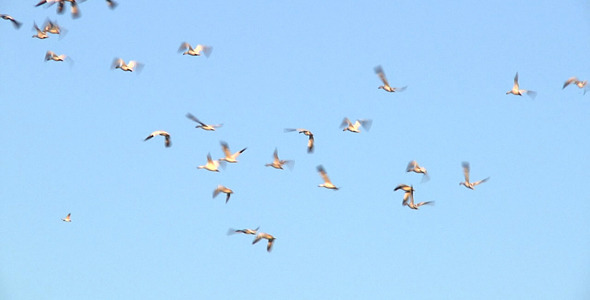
(278, 163)
(519, 92)
(203, 125)
(327, 183)
(50, 55)
(40, 34)
(386, 87)
(222, 189)
(129, 67)
(15, 23)
(416, 206)
(409, 192)
(211, 165)
(262, 235)
(306, 132)
(578, 83)
(163, 133)
(347, 125)
(67, 218)
(229, 157)
(197, 51)
(414, 167)
(244, 231)
(466, 183)
(61, 4)
(52, 27)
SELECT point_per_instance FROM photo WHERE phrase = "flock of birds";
(51, 27)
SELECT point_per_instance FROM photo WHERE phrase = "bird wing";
(466, 171)
(184, 46)
(225, 148)
(310, 144)
(117, 62)
(190, 116)
(366, 123)
(379, 71)
(209, 160)
(516, 81)
(227, 197)
(269, 245)
(569, 81)
(411, 166)
(167, 140)
(323, 174)
(345, 122)
(481, 181)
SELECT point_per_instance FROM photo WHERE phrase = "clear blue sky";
(144, 224)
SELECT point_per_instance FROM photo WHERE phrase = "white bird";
(414, 167)
(50, 55)
(244, 231)
(310, 140)
(416, 206)
(163, 133)
(347, 125)
(409, 192)
(211, 165)
(195, 51)
(262, 235)
(67, 218)
(222, 189)
(203, 125)
(40, 34)
(278, 163)
(578, 83)
(229, 157)
(467, 184)
(519, 92)
(327, 183)
(15, 23)
(129, 67)
(52, 27)
(386, 87)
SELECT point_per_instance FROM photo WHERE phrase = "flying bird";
(409, 192)
(222, 189)
(327, 183)
(467, 184)
(197, 51)
(67, 218)
(229, 157)
(517, 91)
(40, 34)
(130, 67)
(162, 133)
(262, 235)
(15, 23)
(244, 231)
(61, 4)
(203, 125)
(416, 206)
(414, 167)
(386, 87)
(278, 163)
(111, 4)
(306, 132)
(52, 27)
(211, 165)
(347, 125)
(50, 55)
(578, 83)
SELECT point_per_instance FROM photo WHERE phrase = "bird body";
(386, 87)
(40, 34)
(211, 165)
(229, 157)
(132, 66)
(222, 189)
(278, 163)
(519, 92)
(578, 83)
(203, 125)
(163, 133)
(355, 127)
(327, 183)
(50, 55)
(414, 167)
(268, 237)
(197, 51)
(467, 183)
(67, 218)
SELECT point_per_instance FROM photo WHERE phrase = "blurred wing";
(345, 122)
(381, 74)
(366, 124)
(225, 148)
(531, 94)
(190, 116)
(569, 81)
(481, 181)
(310, 144)
(466, 171)
(411, 166)
(183, 46)
(516, 81)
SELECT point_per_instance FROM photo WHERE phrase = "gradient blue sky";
(144, 224)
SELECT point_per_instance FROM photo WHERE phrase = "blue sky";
(144, 224)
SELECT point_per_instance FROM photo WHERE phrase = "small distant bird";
(195, 51)
(414, 167)
(203, 125)
(578, 83)
(517, 91)
(416, 206)
(222, 189)
(15, 23)
(111, 4)
(386, 87)
(51, 27)
(50, 55)
(67, 218)
(229, 157)
(278, 163)
(327, 183)
(211, 165)
(262, 235)
(347, 125)
(467, 184)
(61, 5)
(244, 231)
(162, 133)
(409, 192)
(130, 67)
(40, 34)
(305, 132)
